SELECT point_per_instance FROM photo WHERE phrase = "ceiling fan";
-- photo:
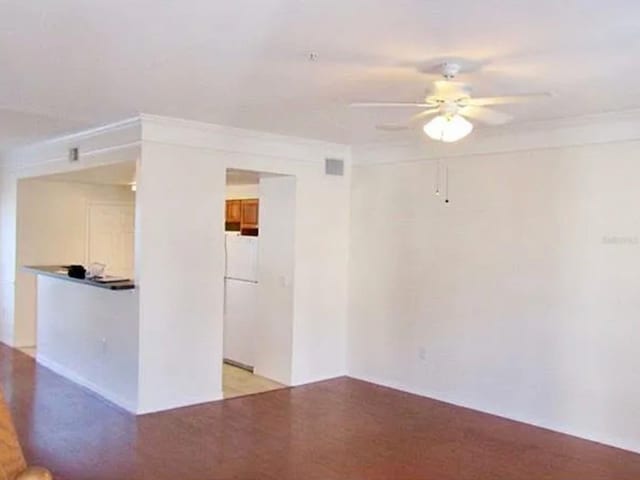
(452, 104)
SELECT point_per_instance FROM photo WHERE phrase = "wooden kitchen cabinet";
(234, 211)
(242, 214)
(250, 213)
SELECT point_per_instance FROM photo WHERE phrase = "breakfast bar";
(87, 331)
(61, 272)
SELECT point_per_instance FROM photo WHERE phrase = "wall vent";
(74, 154)
(334, 166)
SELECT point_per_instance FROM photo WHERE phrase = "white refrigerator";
(241, 255)
(241, 290)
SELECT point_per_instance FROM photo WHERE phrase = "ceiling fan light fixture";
(448, 128)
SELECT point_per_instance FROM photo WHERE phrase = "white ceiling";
(70, 64)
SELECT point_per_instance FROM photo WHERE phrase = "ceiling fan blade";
(524, 98)
(390, 104)
(392, 127)
(420, 116)
(485, 115)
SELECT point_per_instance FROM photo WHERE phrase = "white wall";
(237, 192)
(181, 259)
(8, 205)
(274, 322)
(519, 298)
(52, 223)
(115, 143)
(179, 245)
(180, 262)
(89, 335)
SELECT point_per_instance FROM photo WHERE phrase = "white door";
(111, 236)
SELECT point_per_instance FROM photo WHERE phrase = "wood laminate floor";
(339, 429)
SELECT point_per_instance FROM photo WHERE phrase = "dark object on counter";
(61, 272)
(77, 271)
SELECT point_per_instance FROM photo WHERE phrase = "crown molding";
(103, 141)
(601, 128)
(197, 134)
(609, 127)
(110, 143)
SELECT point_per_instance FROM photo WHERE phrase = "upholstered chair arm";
(35, 473)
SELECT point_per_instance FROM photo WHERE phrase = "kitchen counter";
(58, 271)
(89, 335)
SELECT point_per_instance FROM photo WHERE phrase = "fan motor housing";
(450, 70)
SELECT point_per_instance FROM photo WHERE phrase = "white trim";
(171, 131)
(213, 128)
(93, 132)
(55, 367)
(69, 167)
(100, 141)
(89, 153)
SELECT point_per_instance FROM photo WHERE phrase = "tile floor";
(237, 382)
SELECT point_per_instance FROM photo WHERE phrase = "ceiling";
(72, 64)
(122, 173)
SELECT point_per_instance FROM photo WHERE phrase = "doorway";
(76, 217)
(258, 298)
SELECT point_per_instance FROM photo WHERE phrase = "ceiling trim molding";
(609, 127)
(104, 140)
(82, 135)
(237, 140)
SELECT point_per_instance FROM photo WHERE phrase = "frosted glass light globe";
(448, 128)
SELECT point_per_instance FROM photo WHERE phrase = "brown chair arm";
(35, 473)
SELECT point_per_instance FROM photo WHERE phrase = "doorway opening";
(258, 293)
(79, 217)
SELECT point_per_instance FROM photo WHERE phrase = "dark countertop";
(54, 271)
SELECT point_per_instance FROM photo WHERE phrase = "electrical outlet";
(422, 354)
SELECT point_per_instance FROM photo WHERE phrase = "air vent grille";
(74, 154)
(334, 166)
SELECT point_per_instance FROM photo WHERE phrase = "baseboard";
(241, 365)
(609, 442)
(110, 397)
(190, 402)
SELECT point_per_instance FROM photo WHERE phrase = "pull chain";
(446, 184)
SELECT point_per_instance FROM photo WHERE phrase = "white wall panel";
(520, 297)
